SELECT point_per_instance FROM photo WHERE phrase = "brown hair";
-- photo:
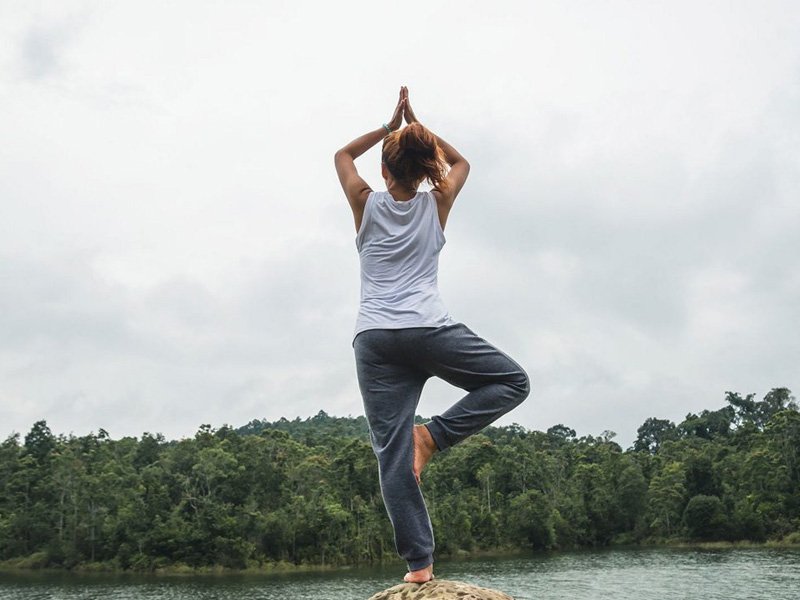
(411, 154)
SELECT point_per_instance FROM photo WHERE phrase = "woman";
(404, 334)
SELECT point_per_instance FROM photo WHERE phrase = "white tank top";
(398, 246)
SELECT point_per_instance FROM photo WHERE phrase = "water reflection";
(636, 574)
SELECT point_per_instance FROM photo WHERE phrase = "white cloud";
(175, 249)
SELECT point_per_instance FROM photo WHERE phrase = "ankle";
(427, 438)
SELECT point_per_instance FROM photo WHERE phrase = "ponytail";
(412, 154)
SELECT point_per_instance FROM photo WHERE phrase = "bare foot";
(421, 576)
(424, 449)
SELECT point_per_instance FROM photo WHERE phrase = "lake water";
(635, 574)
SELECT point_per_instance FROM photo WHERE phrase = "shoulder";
(442, 205)
(372, 204)
(374, 201)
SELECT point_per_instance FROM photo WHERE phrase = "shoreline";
(26, 565)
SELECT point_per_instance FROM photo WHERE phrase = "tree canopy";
(306, 491)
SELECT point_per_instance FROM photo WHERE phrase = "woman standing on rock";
(404, 334)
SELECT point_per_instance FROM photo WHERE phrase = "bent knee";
(520, 382)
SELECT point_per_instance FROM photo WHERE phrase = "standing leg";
(495, 383)
(391, 392)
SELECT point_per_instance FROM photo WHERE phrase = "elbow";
(462, 162)
(342, 158)
(340, 154)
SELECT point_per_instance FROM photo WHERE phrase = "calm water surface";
(649, 574)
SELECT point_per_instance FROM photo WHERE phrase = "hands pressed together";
(357, 190)
(402, 111)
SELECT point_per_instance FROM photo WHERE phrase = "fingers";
(408, 112)
(401, 100)
(403, 109)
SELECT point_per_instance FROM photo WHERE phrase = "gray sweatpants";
(393, 366)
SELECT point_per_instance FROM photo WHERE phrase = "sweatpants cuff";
(420, 563)
(438, 435)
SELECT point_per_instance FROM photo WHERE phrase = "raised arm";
(355, 188)
(456, 176)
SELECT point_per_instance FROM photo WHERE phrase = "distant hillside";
(311, 431)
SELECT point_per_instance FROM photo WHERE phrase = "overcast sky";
(175, 248)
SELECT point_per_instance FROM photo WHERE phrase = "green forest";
(305, 492)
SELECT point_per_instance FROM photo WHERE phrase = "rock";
(439, 589)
